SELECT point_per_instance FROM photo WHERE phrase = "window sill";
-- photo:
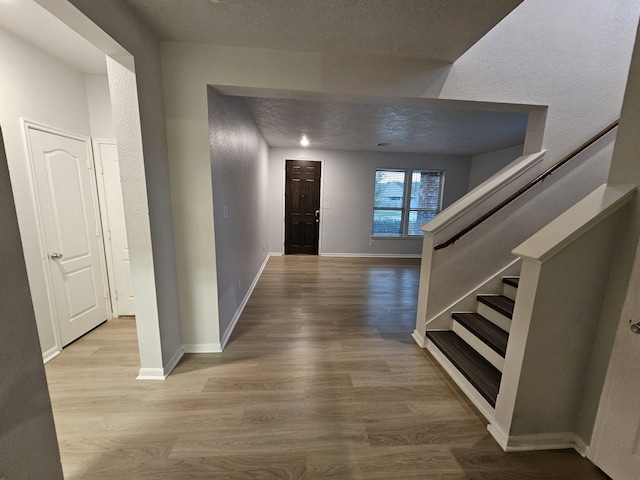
(393, 237)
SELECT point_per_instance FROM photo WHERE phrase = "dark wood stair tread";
(492, 335)
(499, 303)
(480, 373)
(513, 281)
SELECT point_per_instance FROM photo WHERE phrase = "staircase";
(477, 344)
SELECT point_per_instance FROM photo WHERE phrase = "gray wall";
(487, 164)
(239, 157)
(348, 186)
(28, 444)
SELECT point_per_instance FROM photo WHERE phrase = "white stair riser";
(494, 316)
(509, 291)
(479, 346)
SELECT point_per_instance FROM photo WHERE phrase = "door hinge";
(109, 234)
(116, 294)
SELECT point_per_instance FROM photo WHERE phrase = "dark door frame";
(284, 187)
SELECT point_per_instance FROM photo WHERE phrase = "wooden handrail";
(522, 190)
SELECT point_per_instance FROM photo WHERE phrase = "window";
(405, 200)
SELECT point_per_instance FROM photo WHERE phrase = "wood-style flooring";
(320, 379)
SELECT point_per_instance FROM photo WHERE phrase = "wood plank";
(482, 375)
(513, 281)
(317, 381)
(492, 335)
(499, 303)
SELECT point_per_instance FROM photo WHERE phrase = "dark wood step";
(499, 303)
(481, 374)
(513, 281)
(492, 335)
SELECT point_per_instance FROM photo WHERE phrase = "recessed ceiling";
(333, 125)
(434, 30)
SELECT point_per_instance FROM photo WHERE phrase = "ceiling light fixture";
(304, 141)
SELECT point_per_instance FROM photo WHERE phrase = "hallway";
(321, 379)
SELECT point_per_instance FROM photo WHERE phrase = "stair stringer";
(468, 302)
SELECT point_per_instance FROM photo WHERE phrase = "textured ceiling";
(435, 30)
(361, 126)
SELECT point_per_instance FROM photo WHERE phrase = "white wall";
(239, 157)
(348, 185)
(40, 88)
(486, 164)
(99, 100)
(28, 444)
(138, 112)
(620, 298)
(572, 55)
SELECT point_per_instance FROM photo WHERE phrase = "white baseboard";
(161, 373)
(373, 255)
(151, 374)
(537, 441)
(236, 316)
(202, 348)
(469, 390)
(420, 340)
(50, 354)
(276, 254)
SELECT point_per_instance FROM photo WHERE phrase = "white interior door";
(112, 213)
(65, 194)
(617, 435)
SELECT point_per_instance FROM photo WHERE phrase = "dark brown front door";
(302, 207)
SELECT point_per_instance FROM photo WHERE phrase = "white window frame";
(406, 201)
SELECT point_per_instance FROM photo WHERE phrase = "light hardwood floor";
(319, 380)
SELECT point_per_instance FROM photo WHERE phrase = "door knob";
(55, 256)
(317, 216)
(635, 328)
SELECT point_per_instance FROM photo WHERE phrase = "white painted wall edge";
(588, 212)
(538, 441)
(372, 255)
(469, 390)
(50, 354)
(467, 303)
(420, 340)
(236, 316)
(161, 373)
(482, 193)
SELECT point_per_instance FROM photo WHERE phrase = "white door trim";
(33, 125)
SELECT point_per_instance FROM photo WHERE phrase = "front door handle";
(55, 256)
(317, 216)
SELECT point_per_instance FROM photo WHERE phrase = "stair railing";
(528, 186)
